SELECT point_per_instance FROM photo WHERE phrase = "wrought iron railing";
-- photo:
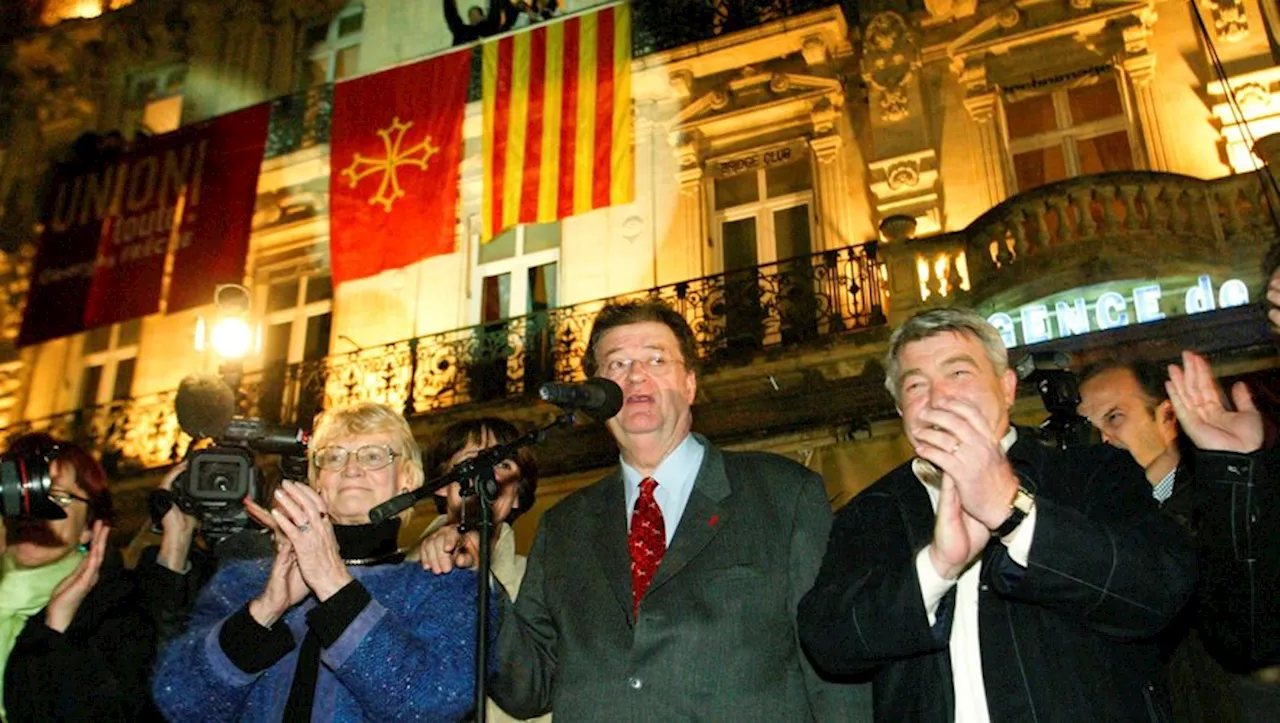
(807, 300)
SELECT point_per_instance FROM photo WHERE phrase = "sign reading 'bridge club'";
(768, 158)
(110, 223)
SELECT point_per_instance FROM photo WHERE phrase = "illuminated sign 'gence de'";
(1079, 314)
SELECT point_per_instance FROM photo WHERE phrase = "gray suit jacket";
(716, 638)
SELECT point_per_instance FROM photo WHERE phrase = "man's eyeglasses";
(370, 457)
(64, 499)
(657, 364)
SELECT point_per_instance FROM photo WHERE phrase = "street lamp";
(232, 335)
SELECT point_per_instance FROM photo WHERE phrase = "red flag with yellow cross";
(396, 145)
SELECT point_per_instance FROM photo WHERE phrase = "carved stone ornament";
(1253, 95)
(903, 175)
(893, 104)
(890, 57)
(1229, 19)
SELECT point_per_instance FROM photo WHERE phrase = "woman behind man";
(443, 547)
(337, 626)
(75, 643)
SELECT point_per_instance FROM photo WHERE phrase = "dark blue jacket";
(407, 654)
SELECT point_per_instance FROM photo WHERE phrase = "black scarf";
(361, 545)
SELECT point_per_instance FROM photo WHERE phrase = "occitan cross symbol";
(393, 157)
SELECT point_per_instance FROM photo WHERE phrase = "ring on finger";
(956, 447)
(304, 527)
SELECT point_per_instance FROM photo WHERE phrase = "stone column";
(1141, 70)
(690, 223)
(982, 109)
(832, 191)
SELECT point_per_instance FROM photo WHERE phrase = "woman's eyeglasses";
(64, 499)
(371, 457)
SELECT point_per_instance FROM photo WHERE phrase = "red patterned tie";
(648, 541)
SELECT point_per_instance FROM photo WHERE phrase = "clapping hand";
(74, 588)
(301, 515)
(1202, 408)
(285, 586)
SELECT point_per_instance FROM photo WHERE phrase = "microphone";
(265, 437)
(599, 397)
(205, 405)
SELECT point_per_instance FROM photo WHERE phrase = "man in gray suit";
(667, 591)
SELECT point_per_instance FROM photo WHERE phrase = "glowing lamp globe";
(231, 337)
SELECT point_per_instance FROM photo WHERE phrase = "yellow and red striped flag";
(557, 120)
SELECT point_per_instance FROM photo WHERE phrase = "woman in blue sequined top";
(337, 626)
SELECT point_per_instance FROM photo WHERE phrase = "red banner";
(110, 225)
(393, 181)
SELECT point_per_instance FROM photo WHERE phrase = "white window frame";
(334, 44)
(109, 359)
(762, 210)
(518, 265)
(298, 315)
(1067, 134)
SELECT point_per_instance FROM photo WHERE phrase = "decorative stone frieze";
(890, 61)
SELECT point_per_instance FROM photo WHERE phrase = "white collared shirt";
(1164, 489)
(965, 642)
(675, 476)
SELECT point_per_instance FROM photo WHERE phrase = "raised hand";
(178, 528)
(447, 548)
(957, 439)
(300, 514)
(74, 588)
(285, 587)
(958, 538)
(1202, 409)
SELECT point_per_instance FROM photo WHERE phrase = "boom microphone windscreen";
(205, 405)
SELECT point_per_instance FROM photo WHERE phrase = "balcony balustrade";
(804, 301)
(1065, 226)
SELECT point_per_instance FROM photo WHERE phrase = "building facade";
(806, 174)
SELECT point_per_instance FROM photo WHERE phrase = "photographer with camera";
(337, 626)
(75, 643)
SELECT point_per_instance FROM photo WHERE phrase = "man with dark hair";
(992, 578)
(668, 589)
(1129, 403)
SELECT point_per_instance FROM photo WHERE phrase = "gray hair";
(940, 321)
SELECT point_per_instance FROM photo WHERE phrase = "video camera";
(1059, 390)
(219, 477)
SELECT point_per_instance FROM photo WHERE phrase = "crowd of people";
(989, 578)
(501, 16)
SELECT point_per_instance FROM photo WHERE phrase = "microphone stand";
(475, 476)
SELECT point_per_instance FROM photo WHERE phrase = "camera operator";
(74, 639)
(171, 574)
(338, 626)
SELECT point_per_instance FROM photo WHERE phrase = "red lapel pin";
(715, 519)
